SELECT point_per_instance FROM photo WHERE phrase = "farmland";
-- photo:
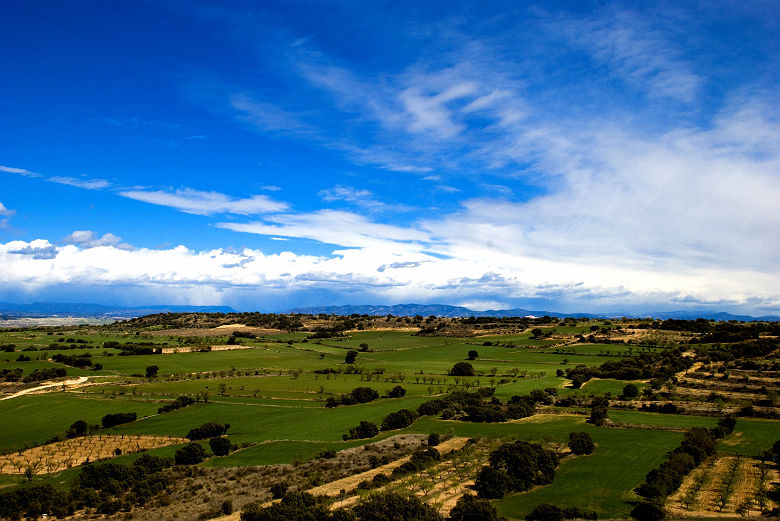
(286, 394)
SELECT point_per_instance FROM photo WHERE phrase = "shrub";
(278, 490)
(434, 439)
(208, 430)
(492, 483)
(462, 369)
(364, 430)
(630, 391)
(473, 355)
(190, 454)
(545, 512)
(220, 445)
(397, 392)
(473, 508)
(350, 357)
(399, 419)
(389, 506)
(581, 443)
(646, 511)
(364, 394)
(111, 420)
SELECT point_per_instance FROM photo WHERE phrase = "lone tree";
(581, 443)
(220, 446)
(151, 371)
(462, 369)
(190, 454)
(630, 391)
(364, 347)
(473, 355)
(350, 358)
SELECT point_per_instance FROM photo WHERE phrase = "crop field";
(285, 397)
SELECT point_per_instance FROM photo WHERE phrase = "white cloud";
(191, 276)
(88, 184)
(206, 203)
(332, 227)
(5, 215)
(637, 52)
(89, 239)
(20, 171)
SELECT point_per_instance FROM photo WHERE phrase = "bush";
(581, 443)
(278, 490)
(362, 431)
(473, 508)
(473, 355)
(190, 454)
(598, 415)
(462, 369)
(389, 506)
(111, 420)
(208, 430)
(434, 439)
(399, 419)
(646, 511)
(350, 357)
(630, 391)
(363, 394)
(220, 446)
(397, 392)
(492, 483)
(545, 512)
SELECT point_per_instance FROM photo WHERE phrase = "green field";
(272, 395)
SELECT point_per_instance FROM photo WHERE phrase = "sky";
(585, 156)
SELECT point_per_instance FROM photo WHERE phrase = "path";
(48, 387)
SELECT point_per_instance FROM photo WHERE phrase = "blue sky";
(576, 156)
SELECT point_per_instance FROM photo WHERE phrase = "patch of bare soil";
(62, 455)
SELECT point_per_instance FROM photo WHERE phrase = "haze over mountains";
(60, 309)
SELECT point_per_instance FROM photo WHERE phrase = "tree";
(630, 391)
(492, 483)
(462, 369)
(473, 508)
(151, 371)
(536, 332)
(208, 430)
(434, 439)
(399, 419)
(581, 443)
(473, 355)
(363, 394)
(190, 454)
(362, 431)
(598, 415)
(364, 347)
(278, 490)
(389, 506)
(545, 512)
(646, 511)
(397, 392)
(220, 445)
(350, 357)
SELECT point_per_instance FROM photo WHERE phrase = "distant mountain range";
(60, 309)
(442, 310)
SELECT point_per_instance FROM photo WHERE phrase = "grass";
(34, 419)
(602, 481)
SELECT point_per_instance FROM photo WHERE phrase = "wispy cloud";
(89, 239)
(20, 171)
(635, 51)
(332, 227)
(206, 203)
(5, 216)
(87, 184)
